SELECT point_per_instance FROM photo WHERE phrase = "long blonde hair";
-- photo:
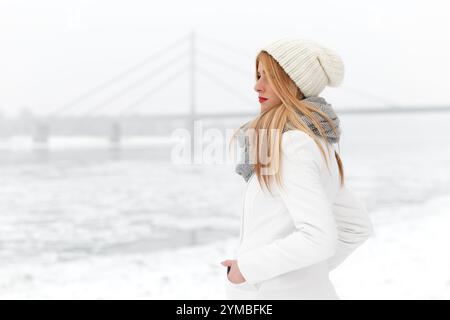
(276, 118)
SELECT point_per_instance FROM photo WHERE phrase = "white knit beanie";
(311, 66)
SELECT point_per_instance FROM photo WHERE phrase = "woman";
(299, 220)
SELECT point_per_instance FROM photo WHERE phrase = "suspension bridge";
(194, 67)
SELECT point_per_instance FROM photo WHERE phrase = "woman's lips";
(262, 99)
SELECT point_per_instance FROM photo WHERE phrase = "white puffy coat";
(289, 242)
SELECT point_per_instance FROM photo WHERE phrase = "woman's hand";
(235, 276)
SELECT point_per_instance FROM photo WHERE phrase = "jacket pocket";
(243, 285)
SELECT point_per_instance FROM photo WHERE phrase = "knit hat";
(311, 66)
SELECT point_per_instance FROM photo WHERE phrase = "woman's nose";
(257, 87)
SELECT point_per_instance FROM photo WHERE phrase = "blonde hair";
(277, 117)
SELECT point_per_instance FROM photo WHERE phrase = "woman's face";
(264, 90)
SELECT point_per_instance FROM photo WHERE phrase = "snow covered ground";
(406, 259)
(83, 223)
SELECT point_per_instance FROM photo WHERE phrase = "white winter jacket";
(290, 241)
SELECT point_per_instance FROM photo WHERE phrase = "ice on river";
(84, 221)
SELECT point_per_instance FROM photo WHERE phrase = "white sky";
(52, 51)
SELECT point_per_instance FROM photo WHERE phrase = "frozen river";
(81, 206)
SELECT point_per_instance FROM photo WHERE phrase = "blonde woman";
(299, 218)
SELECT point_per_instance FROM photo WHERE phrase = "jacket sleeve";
(314, 237)
(353, 223)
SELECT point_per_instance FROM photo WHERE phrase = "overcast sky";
(395, 52)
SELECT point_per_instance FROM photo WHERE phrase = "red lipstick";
(262, 99)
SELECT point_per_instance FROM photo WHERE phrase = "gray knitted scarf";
(246, 169)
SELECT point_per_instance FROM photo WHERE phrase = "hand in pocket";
(233, 273)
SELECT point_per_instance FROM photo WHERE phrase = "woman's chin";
(264, 108)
